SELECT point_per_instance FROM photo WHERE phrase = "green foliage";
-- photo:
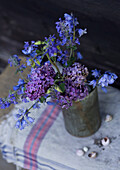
(42, 99)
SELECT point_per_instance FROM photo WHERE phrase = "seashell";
(92, 154)
(80, 152)
(105, 141)
(85, 149)
(108, 118)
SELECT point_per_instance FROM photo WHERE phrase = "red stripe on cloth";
(33, 132)
(42, 134)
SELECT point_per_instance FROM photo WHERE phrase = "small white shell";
(85, 149)
(92, 154)
(108, 118)
(80, 152)
(105, 141)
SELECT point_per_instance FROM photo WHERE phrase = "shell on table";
(80, 152)
(108, 118)
(105, 141)
(92, 154)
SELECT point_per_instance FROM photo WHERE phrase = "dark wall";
(22, 20)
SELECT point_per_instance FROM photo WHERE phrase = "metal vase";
(82, 119)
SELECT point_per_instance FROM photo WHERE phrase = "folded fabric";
(47, 145)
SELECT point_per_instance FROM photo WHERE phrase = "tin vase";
(82, 119)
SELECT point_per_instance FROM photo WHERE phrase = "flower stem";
(54, 65)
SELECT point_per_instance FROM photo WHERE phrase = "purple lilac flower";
(75, 88)
(14, 60)
(77, 73)
(96, 73)
(71, 94)
(41, 79)
(23, 119)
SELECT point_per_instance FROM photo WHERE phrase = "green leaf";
(55, 54)
(58, 89)
(44, 48)
(10, 92)
(38, 43)
(58, 47)
(38, 51)
(48, 91)
(43, 42)
(38, 62)
(42, 99)
(62, 87)
(33, 65)
(53, 58)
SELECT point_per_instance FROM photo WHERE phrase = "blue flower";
(36, 105)
(93, 83)
(23, 119)
(28, 61)
(96, 73)
(6, 102)
(50, 103)
(104, 81)
(111, 77)
(107, 78)
(30, 119)
(21, 68)
(30, 49)
(81, 32)
(104, 89)
(79, 56)
(20, 86)
(68, 17)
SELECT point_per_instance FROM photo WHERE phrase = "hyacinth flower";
(45, 80)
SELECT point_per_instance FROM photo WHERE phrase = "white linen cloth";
(47, 145)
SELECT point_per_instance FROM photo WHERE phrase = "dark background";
(23, 20)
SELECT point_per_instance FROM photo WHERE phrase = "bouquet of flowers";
(56, 72)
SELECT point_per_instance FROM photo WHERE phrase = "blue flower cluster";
(52, 46)
(66, 29)
(30, 49)
(21, 68)
(23, 119)
(14, 60)
(6, 102)
(103, 80)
